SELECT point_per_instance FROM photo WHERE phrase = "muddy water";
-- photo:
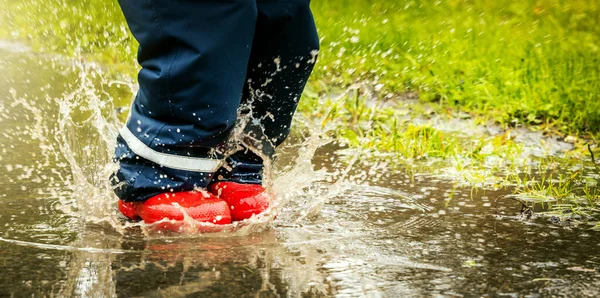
(348, 225)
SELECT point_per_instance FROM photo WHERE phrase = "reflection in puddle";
(347, 225)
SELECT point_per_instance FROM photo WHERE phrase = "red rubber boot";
(244, 200)
(200, 206)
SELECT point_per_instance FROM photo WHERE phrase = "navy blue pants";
(210, 67)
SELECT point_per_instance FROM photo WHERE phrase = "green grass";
(565, 189)
(530, 62)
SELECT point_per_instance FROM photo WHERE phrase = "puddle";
(350, 226)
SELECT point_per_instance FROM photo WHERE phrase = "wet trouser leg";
(199, 58)
(284, 51)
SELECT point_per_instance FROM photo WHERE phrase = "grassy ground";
(530, 62)
(534, 62)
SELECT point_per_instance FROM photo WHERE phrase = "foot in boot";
(244, 200)
(200, 206)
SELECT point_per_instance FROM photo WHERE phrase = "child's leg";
(283, 55)
(194, 57)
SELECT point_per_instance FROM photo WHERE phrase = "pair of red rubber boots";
(223, 203)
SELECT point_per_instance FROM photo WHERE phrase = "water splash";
(77, 131)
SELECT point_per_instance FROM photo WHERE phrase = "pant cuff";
(144, 172)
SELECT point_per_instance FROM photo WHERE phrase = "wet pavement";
(351, 226)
